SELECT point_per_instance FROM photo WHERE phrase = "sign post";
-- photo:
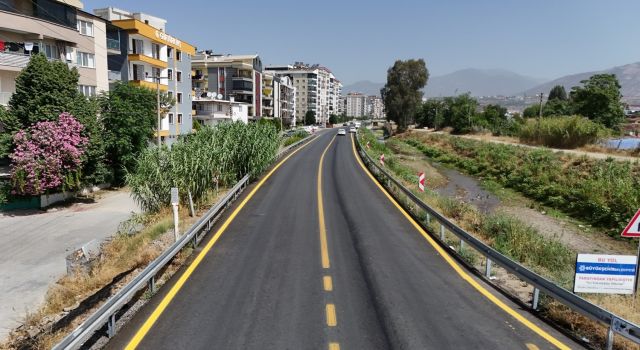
(175, 200)
(421, 182)
(633, 231)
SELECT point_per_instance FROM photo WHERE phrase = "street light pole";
(158, 108)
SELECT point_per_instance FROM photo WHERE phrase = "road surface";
(319, 258)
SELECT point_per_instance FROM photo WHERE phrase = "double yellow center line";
(327, 282)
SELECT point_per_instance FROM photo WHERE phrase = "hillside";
(480, 82)
(628, 75)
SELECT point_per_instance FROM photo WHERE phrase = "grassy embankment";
(513, 238)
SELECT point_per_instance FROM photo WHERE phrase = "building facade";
(227, 76)
(278, 98)
(58, 29)
(143, 54)
(315, 89)
(209, 110)
(356, 104)
(375, 107)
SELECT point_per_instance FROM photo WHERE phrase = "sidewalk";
(33, 247)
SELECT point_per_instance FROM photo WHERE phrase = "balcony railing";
(5, 97)
(17, 60)
(114, 76)
(113, 44)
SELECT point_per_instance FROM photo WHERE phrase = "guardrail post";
(536, 298)
(610, 336)
(428, 218)
(152, 285)
(111, 326)
(442, 232)
(487, 268)
(461, 245)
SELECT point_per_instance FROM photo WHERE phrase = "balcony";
(17, 61)
(114, 75)
(113, 45)
(133, 57)
(149, 85)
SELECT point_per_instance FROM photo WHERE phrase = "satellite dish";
(219, 96)
(209, 94)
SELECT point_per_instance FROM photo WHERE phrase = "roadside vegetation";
(604, 193)
(218, 156)
(294, 137)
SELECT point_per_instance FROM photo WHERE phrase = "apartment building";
(211, 109)
(142, 53)
(375, 107)
(58, 29)
(278, 98)
(356, 105)
(237, 76)
(315, 89)
(335, 87)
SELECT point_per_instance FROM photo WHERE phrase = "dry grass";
(120, 254)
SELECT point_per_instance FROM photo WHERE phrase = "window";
(178, 55)
(170, 52)
(155, 51)
(86, 60)
(179, 76)
(137, 46)
(179, 99)
(219, 107)
(179, 118)
(171, 121)
(170, 94)
(85, 28)
(87, 90)
(170, 74)
(51, 51)
(155, 73)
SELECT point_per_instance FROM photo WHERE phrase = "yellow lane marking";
(142, 332)
(328, 283)
(445, 255)
(532, 346)
(334, 346)
(324, 250)
(331, 315)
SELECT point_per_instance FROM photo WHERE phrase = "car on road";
(352, 129)
(342, 132)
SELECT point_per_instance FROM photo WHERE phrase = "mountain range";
(492, 82)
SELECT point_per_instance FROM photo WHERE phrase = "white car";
(352, 129)
(342, 132)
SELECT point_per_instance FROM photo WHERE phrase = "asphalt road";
(353, 274)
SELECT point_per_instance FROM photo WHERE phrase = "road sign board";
(633, 229)
(609, 274)
(174, 196)
(421, 181)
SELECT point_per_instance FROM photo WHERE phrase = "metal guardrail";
(106, 314)
(615, 323)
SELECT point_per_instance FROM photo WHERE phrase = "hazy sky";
(359, 40)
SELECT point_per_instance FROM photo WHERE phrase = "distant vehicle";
(342, 132)
(345, 124)
(357, 124)
(352, 129)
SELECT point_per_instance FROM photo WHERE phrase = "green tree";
(44, 90)
(9, 125)
(333, 119)
(599, 99)
(459, 112)
(495, 117)
(130, 113)
(430, 114)
(402, 94)
(310, 118)
(557, 93)
(556, 107)
(533, 111)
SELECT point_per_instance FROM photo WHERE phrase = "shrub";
(48, 156)
(562, 132)
(295, 137)
(222, 154)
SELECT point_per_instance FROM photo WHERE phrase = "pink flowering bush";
(48, 156)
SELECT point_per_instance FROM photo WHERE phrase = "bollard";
(536, 298)
(461, 245)
(442, 232)
(428, 218)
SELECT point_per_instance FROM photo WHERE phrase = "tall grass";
(562, 132)
(221, 155)
(297, 136)
(605, 193)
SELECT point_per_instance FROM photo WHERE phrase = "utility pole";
(540, 111)
(158, 108)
